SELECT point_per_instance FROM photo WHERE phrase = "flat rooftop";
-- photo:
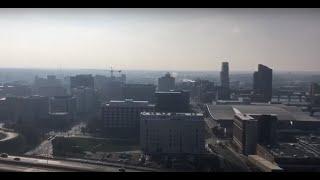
(283, 112)
(172, 116)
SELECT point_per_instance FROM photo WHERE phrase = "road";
(74, 131)
(58, 165)
(9, 135)
(219, 147)
(21, 168)
(45, 148)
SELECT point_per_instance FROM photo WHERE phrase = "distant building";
(100, 82)
(121, 118)
(187, 85)
(314, 89)
(122, 78)
(8, 90)
(224, 93)
(114, 89)
(291, 119)
(60, 120)
(140, 92)
(109, 88)
(172, 133)
(205, 90)
(63, 104)
(172, 101)
(86, 99)
(166, 83)
(262, 83)
(314, 97)
(27, 109)
(49, 86)
(85, 80)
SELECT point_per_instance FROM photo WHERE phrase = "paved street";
(74, 131)
(45, 148)
(19, 168)
(61, 164)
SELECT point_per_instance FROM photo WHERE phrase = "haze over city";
(160, 39)
(159, 90)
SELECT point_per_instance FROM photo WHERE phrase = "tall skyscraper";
(166, 83)
(262, 82)
(225, 82)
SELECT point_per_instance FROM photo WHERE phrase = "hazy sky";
(160, 39)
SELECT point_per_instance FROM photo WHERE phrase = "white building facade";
(172, 133)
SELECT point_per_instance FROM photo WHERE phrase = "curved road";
(8, 135)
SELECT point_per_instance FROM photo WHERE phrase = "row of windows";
(122, 117)
(118, 122)
(126, 109)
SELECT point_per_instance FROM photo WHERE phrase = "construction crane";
(112, 70)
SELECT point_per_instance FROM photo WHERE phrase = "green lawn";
(80, 145)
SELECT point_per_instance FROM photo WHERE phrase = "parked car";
(16, 159)
(122, 170)
(124, 156)
(4, 155)
(109, 155)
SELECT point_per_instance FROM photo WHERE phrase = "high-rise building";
(224, 93)
(204, 91)
(85, 80)
(140, 92)
(252, 129)
(86, 99)
(121, 118)
(173, 101)
(109, 88)
(8, 90)
(262, 83)
(166, 83)
(27, 109)
(50, 86)
(63, 104)
(173, 133)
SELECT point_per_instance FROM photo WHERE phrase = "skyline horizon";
(157, 39)
(156, 70)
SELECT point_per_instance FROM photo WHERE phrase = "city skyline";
(160, 39)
